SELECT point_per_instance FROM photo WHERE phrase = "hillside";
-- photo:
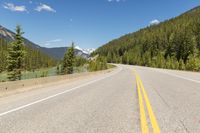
(173, 44)
(34, 58)
(8, 36)
(56, 53)
(59, 52)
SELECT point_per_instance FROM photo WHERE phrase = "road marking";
(58, 94)
(143, 120)
(174, 75)
(152, 117)
(151, 114)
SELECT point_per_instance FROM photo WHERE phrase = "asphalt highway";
(130, 99)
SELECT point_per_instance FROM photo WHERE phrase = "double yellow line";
(143, 95)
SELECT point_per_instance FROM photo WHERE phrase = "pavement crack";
(186, 129)
(165, 102)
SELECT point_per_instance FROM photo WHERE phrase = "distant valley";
(56, 53)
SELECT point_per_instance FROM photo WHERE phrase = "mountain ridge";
(173, 44)
(56, 53)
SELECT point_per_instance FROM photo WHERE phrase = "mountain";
(8, 35)
(174, 44)
(56, 53)
(34, 58)
(59, 52)
(85, 51)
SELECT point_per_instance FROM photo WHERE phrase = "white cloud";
(154, 22)
(12, 7)
(30, 2)
(47, 44)
(116, 0)
(53, 41)
(44, 7)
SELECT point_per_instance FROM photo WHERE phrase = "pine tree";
(160, 60)
(68, 61)
(197, 34)
(181, 65)
(176, 39)
(168, 62)
(79, 61)
(109, 57)
(125, 58)
(15, 58)
(99, 64)
(58, 69)
(3, 54)
(64, 64)
(193, 63)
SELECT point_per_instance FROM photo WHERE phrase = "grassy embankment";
(46, 72)
(43, 72)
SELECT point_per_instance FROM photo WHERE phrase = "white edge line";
(189, 79)
(55, 95)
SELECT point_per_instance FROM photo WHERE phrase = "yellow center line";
(143, 120)
(152, 117)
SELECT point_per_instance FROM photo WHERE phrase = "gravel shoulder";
(14, 87)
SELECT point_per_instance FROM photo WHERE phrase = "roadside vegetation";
(99, 64)
(70, 61)
(32, 59)
(16, 59)
(19, 61)
(173, 44)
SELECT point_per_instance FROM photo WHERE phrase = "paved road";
(108, 103)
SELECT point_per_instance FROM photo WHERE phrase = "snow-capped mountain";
(59, 52)
(56, 53)
(86, 51)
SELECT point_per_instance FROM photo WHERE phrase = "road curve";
(108, 103)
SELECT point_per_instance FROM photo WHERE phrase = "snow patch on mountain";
(85, 51)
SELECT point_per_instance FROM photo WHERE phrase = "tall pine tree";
(68, 61)
(15, 58)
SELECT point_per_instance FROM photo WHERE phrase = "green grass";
(81, 69)
(111, 66)
(3, 77)
(44, 72)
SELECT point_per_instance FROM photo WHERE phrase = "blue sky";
(89, 23)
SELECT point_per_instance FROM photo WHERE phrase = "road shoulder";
(15, 87)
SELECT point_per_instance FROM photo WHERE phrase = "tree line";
(17, 57)
(173, 44)
(70, 61)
